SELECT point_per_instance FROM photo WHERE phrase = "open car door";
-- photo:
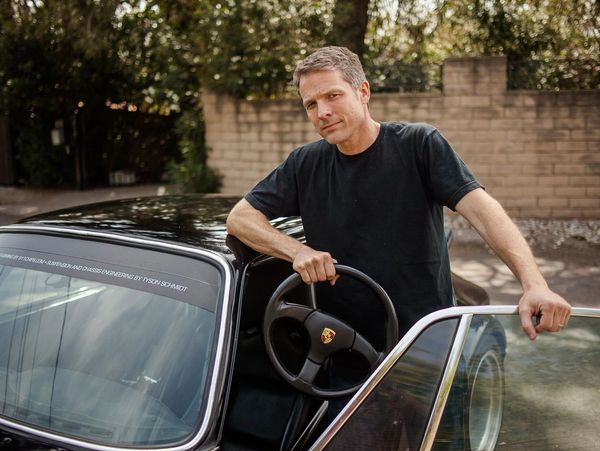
(469, 378)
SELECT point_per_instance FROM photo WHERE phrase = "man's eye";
(334, 95)
(310, 106)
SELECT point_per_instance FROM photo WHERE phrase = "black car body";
(140, 324)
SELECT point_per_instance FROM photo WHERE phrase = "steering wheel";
(328, 334)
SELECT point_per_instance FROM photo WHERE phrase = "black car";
(140, 324)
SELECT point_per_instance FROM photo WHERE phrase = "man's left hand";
(551, 309)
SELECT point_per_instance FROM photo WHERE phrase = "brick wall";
(537, 152)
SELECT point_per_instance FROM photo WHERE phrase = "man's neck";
(365, 139)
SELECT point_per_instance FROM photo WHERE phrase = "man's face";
(337, 110)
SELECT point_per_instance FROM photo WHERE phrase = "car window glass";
(537, 395)
(395, 414)
(100, 361)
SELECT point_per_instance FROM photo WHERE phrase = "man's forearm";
(497, 229)
(252, 228)
(502, 235)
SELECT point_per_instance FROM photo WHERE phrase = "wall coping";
(475, 59)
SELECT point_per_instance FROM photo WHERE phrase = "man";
(370, 196)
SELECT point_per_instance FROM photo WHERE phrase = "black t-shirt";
(379, 211)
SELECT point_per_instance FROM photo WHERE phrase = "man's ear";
(364, 92)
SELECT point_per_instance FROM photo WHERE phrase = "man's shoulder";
(314, 150)
(410, 129)
(320, 145)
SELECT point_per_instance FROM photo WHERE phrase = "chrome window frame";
(218, 379)
(465, 314)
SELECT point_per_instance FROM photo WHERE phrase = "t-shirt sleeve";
(277, 194)
(449, 177)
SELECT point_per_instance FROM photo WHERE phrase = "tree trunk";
(350, 24)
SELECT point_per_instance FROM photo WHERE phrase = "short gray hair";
(332, 58)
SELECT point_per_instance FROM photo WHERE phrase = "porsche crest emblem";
(327, 335)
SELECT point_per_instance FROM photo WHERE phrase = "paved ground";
(17, 203)
(568, 252)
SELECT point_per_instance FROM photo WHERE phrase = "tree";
(55, 58)
(525, 29)
(350, 19)
(423, 32)
(71, 60)
(248, 48)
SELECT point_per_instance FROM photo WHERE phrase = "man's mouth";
(325, 127)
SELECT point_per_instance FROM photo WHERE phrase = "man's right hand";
(315, 266)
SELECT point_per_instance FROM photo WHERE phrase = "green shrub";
(191, 174)
(42, 164)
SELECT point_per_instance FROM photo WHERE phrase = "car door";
(469, 378)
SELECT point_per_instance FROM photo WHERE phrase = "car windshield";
(103, 342)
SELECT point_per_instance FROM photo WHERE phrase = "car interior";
(264, 412)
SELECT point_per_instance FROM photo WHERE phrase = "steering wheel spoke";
(308, 373)
(364, 348)
(312, 295)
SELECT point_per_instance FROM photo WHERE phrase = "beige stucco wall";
(537, 152)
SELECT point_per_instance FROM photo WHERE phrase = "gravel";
(540, 233)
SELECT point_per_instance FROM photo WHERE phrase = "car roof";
(192, 219)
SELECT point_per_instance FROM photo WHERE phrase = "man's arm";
(496, 228)
(251, 227)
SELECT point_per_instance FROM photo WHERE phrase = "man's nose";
(323, 110)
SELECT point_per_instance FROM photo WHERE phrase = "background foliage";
(78, 60)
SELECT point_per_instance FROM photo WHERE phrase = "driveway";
(567, 253)
(17, 203)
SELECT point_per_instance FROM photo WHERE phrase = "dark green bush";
(41, 163)
(191, 174)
